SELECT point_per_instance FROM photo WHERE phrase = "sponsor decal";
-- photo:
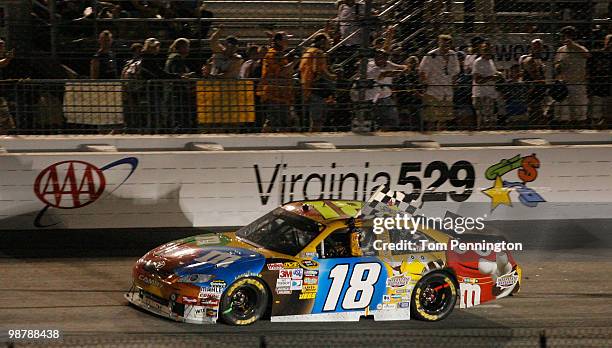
(189, 300)
(295, 186)
(74, 184)
(507, 280)
(386, 298)
(290, 265)
(308, 295)
(311, 280)
(283, 292)
(215, 239)
(469, 295)
(218, 285)
(218, 258)
(285, 273)
(211, 313)
(401, 291)
(309, 288)
(389, 306)
(470, 280)
(397, 297)
(283, 283)
(404, 305)
(275, 266)
(198, 313)
(310, 273)
(527, 171)
(297, 273)
(158, 264)
(311, 255)
(310, 264)
(397, 281)
(379, 306)
(150, 281)
(296, 284)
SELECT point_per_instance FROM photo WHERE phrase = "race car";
(316, 261)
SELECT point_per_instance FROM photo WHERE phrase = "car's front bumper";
(169, 309)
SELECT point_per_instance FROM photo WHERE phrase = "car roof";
(325, 210)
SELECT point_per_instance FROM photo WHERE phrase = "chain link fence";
(315, 65)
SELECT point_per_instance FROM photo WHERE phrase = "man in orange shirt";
(316, 81)
(275, 88)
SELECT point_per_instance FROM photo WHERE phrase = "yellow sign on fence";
(225, 101)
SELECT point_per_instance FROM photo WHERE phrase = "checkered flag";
(384, 201)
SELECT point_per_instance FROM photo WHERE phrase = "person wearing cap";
(437, 71)
(315, 78)
(275, 88)
(226, 62)
(103, 65)
(533, 71)
(473, 53)
(570, 67)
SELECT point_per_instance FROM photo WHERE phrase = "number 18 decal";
(360, 287)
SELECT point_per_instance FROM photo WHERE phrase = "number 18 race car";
(314, 261)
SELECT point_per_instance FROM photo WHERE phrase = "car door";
(348, 284)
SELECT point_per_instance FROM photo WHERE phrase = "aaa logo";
(74, 184)
(527, 171)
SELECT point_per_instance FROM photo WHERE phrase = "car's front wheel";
(434, 297)
(244, 302)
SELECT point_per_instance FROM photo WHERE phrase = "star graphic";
(498, 193)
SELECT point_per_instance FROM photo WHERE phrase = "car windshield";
(280, 231)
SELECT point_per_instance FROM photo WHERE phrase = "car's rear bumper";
(170, 309)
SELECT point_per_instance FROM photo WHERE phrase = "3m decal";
(469, 295)
(360, 288)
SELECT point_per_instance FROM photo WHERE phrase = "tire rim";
(435, 297)
(243, 302)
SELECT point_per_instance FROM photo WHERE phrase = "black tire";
(244, 302)
(434, 297)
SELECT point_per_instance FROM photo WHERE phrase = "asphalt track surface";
(566, 300)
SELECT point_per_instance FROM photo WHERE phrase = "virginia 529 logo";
(527, 171)
(75, 184)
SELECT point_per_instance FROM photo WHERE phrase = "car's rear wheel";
(244, 302)
(434, 297)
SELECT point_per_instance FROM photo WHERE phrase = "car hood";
(219, 255)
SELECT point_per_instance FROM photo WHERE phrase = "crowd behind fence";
(375, 66)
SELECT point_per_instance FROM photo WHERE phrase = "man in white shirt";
(382, 72)
(437, 71)
(348, 15)
(570, 66)
(484, 94)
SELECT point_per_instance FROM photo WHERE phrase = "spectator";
(533, 68)
(176, 64)
(275, 88)
(103, 64)
(484, 93)
(570, 66)
(151, 66)
(251, 69)
(153, 109)
(600, 83)
(316, 81)
(462, 96)
(348, 15)
(226, 61)
(382, 72)
(437, 72)
(515, 94)
(177, 96)
(473, 53)
(6, 120)
(408, 95)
